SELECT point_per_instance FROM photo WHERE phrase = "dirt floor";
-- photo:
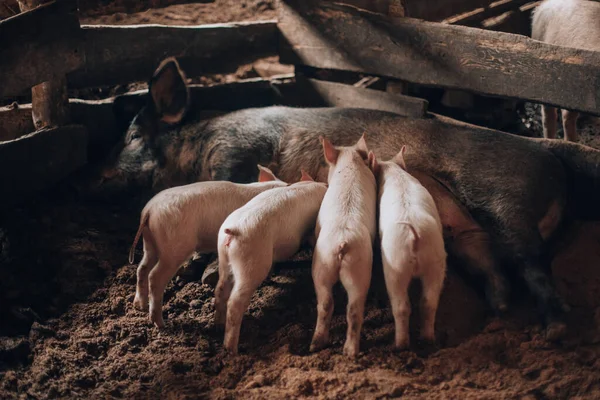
(68, 328)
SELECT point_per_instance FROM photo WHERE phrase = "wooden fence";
(46, 49)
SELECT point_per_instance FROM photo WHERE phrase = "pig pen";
(69, 329)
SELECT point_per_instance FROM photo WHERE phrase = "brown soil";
(69, 258)
(63, 269)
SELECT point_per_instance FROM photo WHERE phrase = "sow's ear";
(306, 176)
(399, 158)
(265, 174)
(331, 153)
(169, 92)
(361, 146)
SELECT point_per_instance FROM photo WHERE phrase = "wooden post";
(50, 100)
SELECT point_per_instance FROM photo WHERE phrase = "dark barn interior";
(74, 74)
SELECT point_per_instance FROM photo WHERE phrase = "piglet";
(345, 231)
(412, 245)
(181, 220)
(270, 228)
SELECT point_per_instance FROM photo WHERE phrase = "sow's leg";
(467, 242)
(551, 306)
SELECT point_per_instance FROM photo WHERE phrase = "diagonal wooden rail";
(325, 35)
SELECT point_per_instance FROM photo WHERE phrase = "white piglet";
(412, 245)
(180, 221)
(270, 228)
(344, 249)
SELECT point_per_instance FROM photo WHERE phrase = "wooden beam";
(36, 161)
(38, 46)
(475, 17)
(434, 54)
(516, 21)
(124, 54)
(50, 99)
(317, 93)
(105, 126)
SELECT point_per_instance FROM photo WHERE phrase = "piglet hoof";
(210, 276)
(230, 351)
(401, 345)
(157, 320)
(556, 331)
(351, 350)
(318, 344)
(140, 304)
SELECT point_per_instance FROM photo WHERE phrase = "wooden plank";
(34, 162)
(317, 93)
(434, 54)
(475, 17)
(39, 45)
(15, 121)
(105, 127)
(50, 99)
(124, 54)
(517, 21)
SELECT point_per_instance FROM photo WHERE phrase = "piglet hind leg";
(397, 282)
(222, 295)
(357, 285)
(432, 284)
(158, 279)
(141, 290)
(246, 281)
(323, 279)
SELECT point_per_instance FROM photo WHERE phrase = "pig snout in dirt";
(412, 246)
(345, 231)
(570, 23)
(180, 221)
(270, 228)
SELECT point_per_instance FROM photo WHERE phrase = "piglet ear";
(265, 174)
(306, 176)
(169, 92)
(399, 158)
(373, 163)
(330, 151)
(361, 145)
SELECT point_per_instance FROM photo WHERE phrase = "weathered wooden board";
(34, 162)
(491, 63)
(39, 45)
(105, 121)
(317, 93)
(124, 54)
(15, 121)
(516, 21)
(475, 17)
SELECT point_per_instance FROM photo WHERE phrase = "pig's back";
(198, 208)
(404, 199)
(570, 23)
